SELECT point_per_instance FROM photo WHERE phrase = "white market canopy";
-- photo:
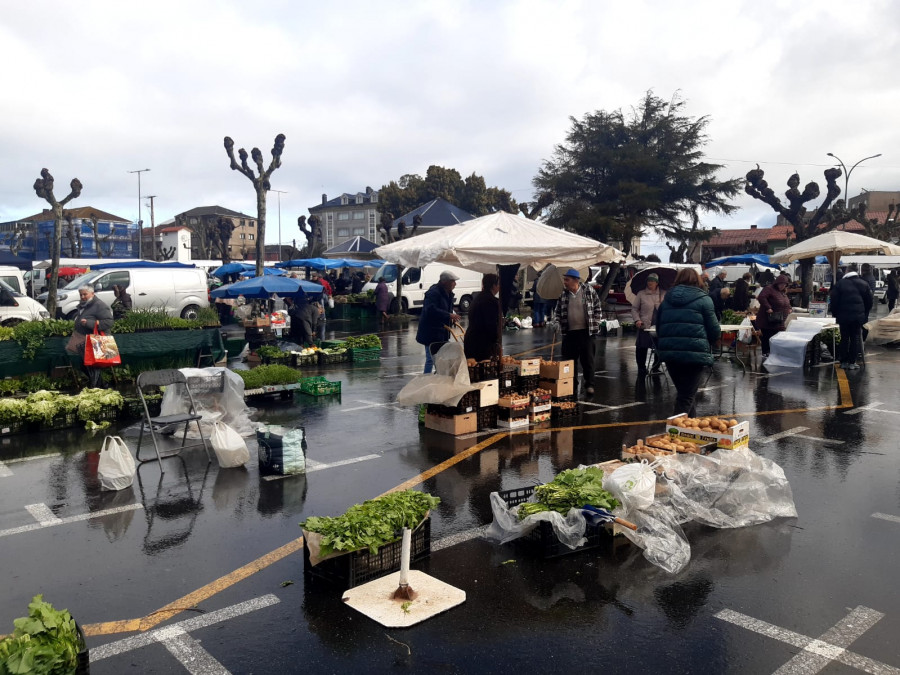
(834, 243)
(499, 239)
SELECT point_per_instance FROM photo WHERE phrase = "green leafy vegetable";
(372, 523)
(46, 641)
(268, 375)
(572, 488)
(363, 342)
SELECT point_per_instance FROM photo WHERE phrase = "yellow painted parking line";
(190, 600)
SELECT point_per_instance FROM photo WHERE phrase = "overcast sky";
(366, 92)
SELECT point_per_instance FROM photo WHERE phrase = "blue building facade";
(114, 238)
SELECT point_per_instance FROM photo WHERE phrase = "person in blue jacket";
(437, 312)
(686, 326)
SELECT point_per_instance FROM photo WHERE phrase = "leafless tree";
(43, 188)
(167, 253)
(822, 219)
(312, 230)
(73, 234)
(17, 238)
(261, 184)
(223, 231)
(99, 241)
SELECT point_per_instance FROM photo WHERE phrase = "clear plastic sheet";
(226, 406)
(447, 386)
(506, 526)
(725, 489)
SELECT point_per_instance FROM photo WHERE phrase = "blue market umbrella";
(265, 287)
(266, 271)
(745, 259)
(232, 268)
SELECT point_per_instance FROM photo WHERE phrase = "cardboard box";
(737, 436)
(544, 408)
(559, 388)
(557, 370)
(489, 392)
(258, 322)
(511, 413)
(530, 366)
(514, 401)
(514, 423)
(539, 417)
(456, 425)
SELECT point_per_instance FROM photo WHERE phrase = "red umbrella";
(71, 271)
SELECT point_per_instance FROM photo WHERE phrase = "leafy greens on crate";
(268, 375)
(572, 488)
(373, 523)
(46, 641)
(362, 342)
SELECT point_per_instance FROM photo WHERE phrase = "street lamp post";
(279, 192)
(140, 224)
(847, 175)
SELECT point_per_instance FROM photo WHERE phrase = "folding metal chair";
(164, 378)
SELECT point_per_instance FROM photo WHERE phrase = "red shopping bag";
(101, 350)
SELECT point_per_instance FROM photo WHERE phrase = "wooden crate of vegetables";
(725, 433)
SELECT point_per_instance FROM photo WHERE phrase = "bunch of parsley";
(572, 488)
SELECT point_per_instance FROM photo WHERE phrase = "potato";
(732, 423)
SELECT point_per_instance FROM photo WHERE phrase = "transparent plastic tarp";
(726, 489)
(447, 386)
(885, 329)
(214, 404)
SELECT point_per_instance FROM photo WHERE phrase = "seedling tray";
(319, 386)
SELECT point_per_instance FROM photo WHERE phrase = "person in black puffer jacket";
(437, 312)
(851, 302)
(686, 326)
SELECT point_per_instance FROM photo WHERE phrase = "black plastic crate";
(487, 417)
(543, 539)
(488, 370)
(525, 383)
(358, 567)
(467, 404)
(558, 413)
(474, 373)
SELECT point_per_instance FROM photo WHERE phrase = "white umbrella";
(833, 245)
(499, 239)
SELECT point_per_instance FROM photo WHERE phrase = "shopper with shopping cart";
(437, 314)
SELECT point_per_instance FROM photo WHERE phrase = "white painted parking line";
(614, 407)
(821, 441)
(783, 434)
(372, 404)
(863, 408)
(458, 538)
(43, 514)
(195, 659)
(818, 653)
(312, 465)
(70, 519)
(6, 472)
(887, 516)
(175, 631)
(715, 386)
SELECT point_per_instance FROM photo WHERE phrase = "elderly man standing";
(718, 282)
(91, 312)
(437, 312)
(579, 313)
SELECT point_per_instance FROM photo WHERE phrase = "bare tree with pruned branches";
(43, 187)
(100, 241)
(261, 184)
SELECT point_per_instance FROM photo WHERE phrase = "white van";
(13, 277)
(180, 291)
(417, 280)
(17, 307)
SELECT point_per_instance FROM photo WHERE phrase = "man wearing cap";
(437, 312)
(579, 313)
(643, 311)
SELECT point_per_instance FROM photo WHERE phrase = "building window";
(343, 216)
(252, 237)
(359, 215)
(243, 236)
(343, 232)
(193, 221)
(359, 231)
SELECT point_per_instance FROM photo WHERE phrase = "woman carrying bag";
(774, 307)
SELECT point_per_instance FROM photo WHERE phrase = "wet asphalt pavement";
(194, 540)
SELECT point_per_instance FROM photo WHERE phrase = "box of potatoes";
(662, 445)
(725, 433)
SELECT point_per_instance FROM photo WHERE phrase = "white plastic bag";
(116, 466)
(612, 324)
(634, 485)
(231, 449)
(330, 302)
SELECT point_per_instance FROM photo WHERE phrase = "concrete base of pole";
(376, 599)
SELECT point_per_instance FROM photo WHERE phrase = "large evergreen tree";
(617, 175)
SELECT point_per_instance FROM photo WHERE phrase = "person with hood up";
(643, 311)
(851, 302)
(774, 307)
(686, 326)
(437, 313)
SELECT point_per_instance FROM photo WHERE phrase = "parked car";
(179, 291)
(415, 281)
(16, 307)
(13, 277)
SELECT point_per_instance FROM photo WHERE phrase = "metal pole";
(152, 228)
(279, 192)
(140, 224)
(847, 175)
